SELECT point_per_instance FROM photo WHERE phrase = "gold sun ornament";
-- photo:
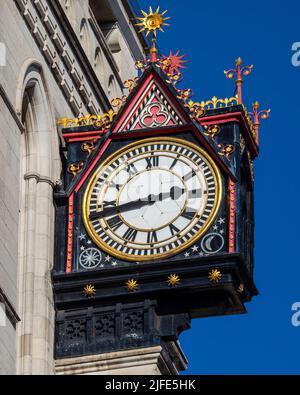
(89, 291)
(173, 280)
(132, 285)
(152, 21)
(215, 276)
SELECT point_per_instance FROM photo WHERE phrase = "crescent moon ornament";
(208, 243)
(212, 243)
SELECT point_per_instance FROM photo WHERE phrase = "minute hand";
(174, 193)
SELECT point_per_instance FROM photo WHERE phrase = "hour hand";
(123, 207)
(174, 193)
(112, 208)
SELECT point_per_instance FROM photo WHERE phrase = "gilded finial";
(239, 72)
(238, 61)
(256, 105)
(257, 115)
(151, 22)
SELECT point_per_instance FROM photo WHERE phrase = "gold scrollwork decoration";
(75, 168)
(105, 120)
(219, 103)
(212, 131)
(130, 84)
(100, 120)
(185, 94)
(196, 110)
(66, 122)
(226, 150)
(174, 79)
(118, 102)
(141, 65)
(89, 146)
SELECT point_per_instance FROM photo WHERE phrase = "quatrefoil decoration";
(155, 114)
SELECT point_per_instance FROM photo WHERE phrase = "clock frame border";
(126, 257)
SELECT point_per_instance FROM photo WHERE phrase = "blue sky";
(213, 35)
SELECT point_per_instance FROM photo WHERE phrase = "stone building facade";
(58, 58)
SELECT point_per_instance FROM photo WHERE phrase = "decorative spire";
(152, 22)
(257, 115)
(239, 72)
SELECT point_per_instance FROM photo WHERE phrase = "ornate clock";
(152, 199)
(154, 222)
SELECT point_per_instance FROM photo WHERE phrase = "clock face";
(152, 199)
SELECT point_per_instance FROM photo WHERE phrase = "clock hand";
(124, 207)
(111, 210)
(174, 193)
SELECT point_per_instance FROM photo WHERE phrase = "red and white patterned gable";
(152, 109)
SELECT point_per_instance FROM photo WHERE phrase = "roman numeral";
(152, 161)
(152, 237)
(189, 175)
(132, 170)
(115, 222)
(173, 229)
(189, 213)
(130, 235)
(175, 162)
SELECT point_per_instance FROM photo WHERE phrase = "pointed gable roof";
(151, 104)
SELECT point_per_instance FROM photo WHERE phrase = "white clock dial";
(152, 199)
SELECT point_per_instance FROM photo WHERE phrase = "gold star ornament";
(215, 276)
(132, 285)
(152, 21)
(173, 280)
(89, 291)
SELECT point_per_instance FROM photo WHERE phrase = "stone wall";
(51, 70)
